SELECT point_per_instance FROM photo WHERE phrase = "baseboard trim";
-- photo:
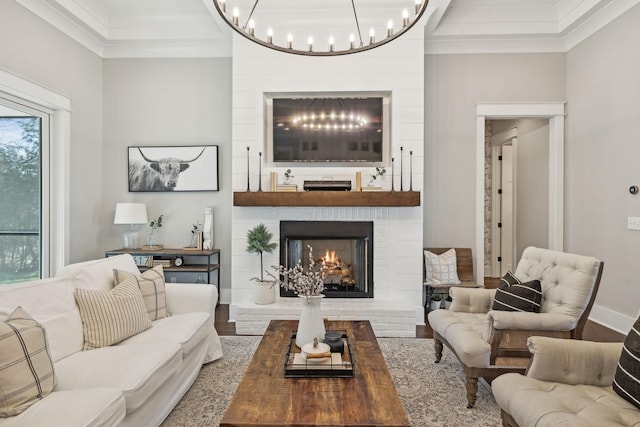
(611, 319)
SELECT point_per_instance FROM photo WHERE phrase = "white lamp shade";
(131, 213)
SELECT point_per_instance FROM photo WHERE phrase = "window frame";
(55, 173)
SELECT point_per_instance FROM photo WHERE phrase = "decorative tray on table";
(339, 365)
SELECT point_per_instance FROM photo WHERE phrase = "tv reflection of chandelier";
(330, 121)
(262, 34)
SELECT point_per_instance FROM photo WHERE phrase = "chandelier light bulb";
(405, 17)
(372, 36)
(352, 40)
(236, 16)
(389, 28)
(418, 6)
(290, 41)
(331, 41)
(252, 26)
(310, 41)
(269, 35)
(223, 5)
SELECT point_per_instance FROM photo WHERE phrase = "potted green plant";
(151, 238)
(436, 301)
(259, 241)
(447, 302)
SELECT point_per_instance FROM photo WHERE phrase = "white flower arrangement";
(302, 282)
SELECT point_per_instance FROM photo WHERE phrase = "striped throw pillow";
(513, 295)
(109, 317)
(151, 284)
(627, 379)
(26, 369)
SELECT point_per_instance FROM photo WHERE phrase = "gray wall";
(454, 85)
(602, 128)
(35, 51)
(168, 102)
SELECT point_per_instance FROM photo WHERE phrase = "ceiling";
(192, 28)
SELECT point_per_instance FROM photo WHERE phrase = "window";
(24, 191)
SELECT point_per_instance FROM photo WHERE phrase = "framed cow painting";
(173, 168)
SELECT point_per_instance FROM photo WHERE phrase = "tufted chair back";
(568, 280)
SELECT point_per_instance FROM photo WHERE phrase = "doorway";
(554, 208)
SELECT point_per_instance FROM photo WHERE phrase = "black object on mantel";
(327, 186)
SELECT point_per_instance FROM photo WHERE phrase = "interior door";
(506, 210)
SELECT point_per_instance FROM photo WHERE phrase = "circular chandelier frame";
(248, 31)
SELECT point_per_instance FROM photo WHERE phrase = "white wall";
(397, 68)
(168, 102)
(603, 124)
(35, 51)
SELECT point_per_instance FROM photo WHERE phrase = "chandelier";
(243, 23)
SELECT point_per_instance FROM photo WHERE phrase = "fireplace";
(342, 250)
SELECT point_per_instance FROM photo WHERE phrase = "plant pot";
(435, 305)
(311, 324)
(264, 292)
(447, 304)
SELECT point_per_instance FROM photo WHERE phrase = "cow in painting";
(157, 175)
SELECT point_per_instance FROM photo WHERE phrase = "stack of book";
(286, 187)
(162, 262)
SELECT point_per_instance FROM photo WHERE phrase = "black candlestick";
(410, 171)
(248, 189)
(392, 174)
(260, 172)
(401, 188)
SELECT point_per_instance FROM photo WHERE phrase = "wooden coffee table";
(266, 398)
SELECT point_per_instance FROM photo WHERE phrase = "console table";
(195, 261)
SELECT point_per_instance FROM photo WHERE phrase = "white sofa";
(134, 383)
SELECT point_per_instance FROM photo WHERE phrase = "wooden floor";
(592, 331)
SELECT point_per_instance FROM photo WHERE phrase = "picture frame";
(182, 168)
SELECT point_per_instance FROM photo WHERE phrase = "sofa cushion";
(51, 303)
(26, 369)
(151, 284)
(514, 295)
(441, 269)
(627, 379)
(187, 329)
(137, 370)
(90, 407)
(98, 274)
(533, 402)
(108, 317)
(463, 331)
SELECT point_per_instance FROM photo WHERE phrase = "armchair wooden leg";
(472, 391)
(437, 345)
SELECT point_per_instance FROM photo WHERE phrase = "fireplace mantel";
(327, 198)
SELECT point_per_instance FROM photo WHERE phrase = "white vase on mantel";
(311, 324)
(264, 292)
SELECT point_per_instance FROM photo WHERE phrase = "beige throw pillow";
(151, 284)
(441, 269)
(109, 317)
(26, 369)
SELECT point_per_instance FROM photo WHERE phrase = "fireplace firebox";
(342, 251)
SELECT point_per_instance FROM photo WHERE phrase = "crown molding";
(88, 23)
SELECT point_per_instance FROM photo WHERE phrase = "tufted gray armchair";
(489, 343)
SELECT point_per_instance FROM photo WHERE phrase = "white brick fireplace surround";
(396, 68)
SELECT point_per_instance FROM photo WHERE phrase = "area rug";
(432, 394)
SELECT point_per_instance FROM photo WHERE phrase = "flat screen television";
(320, 129)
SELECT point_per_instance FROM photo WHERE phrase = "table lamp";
(130, 214)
